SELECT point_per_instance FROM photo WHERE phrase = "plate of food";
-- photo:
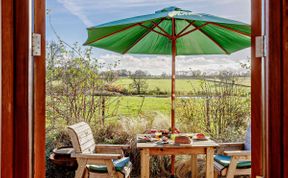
(200, 136)
(164, 140)
(144, 139)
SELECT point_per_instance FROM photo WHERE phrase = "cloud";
(90, 10)
(162, 64)
(77, 10)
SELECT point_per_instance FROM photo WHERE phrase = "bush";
(223, 113)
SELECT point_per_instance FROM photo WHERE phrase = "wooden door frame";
(15, 91)
(7, 104)
(276, 66)
(40, 91)
(256, 91)
(15, 128)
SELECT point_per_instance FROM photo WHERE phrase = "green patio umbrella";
(171, 31)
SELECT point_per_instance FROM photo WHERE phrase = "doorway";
(276, 127)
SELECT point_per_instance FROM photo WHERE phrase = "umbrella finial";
(169, 9)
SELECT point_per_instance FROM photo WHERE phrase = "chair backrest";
(247, 144)
(82, 138)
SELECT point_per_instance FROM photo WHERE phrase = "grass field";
(133, 105)
(182, 85)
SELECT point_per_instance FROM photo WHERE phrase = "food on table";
(158, 135)
(152, 131)
(164, 139)
(173, 136)
(200, 136)
(164, 131)
(182, 140)
(177, 131)
(144, 139)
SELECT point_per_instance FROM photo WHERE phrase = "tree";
(123, 73)
(138, 85)
(140, 73)
(196, 73)
(164, 75)
(72, 81)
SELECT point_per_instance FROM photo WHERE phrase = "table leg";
(209, 163)
(194, 169)
(145, 159)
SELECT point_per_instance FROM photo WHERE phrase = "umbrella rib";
(126, 28)
(155, 31)
(196, 28)
(143, 36)
(231, 29)
(190, 24)
(208, 36)
(157, 25)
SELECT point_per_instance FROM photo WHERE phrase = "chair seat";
(225, 161)
(119, 165)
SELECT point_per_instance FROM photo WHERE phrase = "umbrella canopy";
(171, 31)
(196, 34)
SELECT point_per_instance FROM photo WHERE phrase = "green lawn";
(131, 105)
(182, 85)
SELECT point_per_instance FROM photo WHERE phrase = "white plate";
(195, 138)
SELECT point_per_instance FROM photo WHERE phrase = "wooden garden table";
(206, 147)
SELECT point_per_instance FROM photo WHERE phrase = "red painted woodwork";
(7, 90)
(21, 119)
(39, 93)
(276, 89)
(285, 86)
(256, 90)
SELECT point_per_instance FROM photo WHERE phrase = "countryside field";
(131, 106)
(183, 86)
(134, 105)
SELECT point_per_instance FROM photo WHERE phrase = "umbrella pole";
(173, 91)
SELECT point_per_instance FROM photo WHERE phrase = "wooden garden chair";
(97, 160)
(233, 159)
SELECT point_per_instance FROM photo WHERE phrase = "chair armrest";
(241, 155)
(233, 144)
(229, 147)
(112, 146)
(98, 156)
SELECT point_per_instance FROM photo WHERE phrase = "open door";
(23, 90)
(270, 147)
(276, 85)
(39, 92)
(257, 91)
(23, 145)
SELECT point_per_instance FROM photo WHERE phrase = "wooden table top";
(195, 143)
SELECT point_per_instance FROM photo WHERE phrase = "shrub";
(223, 113)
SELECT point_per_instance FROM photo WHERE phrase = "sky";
(70, 18)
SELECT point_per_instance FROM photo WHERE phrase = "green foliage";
(138, 85)
(72, 81)
(184, 87)
(111, 134)
(223, 112)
